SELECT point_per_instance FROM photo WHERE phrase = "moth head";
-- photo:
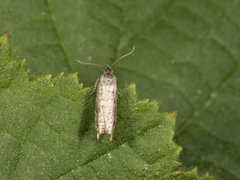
(108, 70)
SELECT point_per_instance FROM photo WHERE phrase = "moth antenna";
(90, 64)
(123, 57)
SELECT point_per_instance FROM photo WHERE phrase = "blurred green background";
(187, 58)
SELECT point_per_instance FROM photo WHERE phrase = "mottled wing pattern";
(106, 105)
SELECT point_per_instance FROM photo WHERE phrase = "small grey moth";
(106, 99)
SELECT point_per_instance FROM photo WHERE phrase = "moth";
(106, 99)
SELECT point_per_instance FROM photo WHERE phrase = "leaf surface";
(47, 131)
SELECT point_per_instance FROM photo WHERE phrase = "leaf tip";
(4, 39)
(23, 62)
(5, 34)
(175, 113)
(133, 85)
(182, 170)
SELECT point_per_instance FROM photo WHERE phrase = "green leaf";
(47, 131)
(186, 58)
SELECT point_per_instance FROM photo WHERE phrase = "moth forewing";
(106, 104)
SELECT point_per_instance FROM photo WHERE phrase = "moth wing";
(115, 94)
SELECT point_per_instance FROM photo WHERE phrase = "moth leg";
(95, 86)
(120, 94)
(97, 134)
